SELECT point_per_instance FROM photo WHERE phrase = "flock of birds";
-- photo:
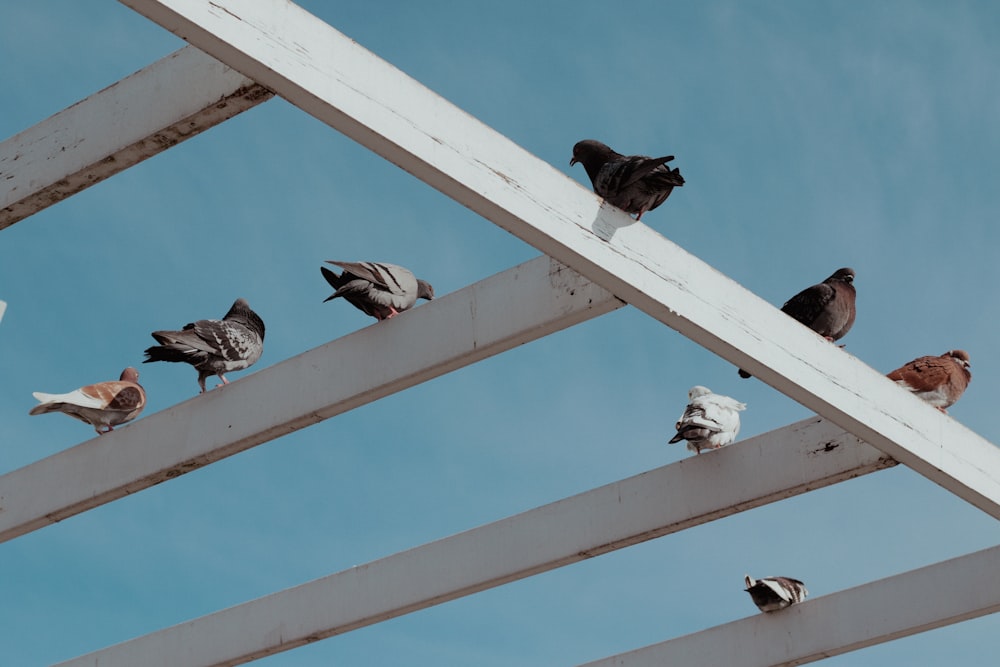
(634, 183)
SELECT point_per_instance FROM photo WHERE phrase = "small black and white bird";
(633, 183)
(828, 308)
(214, 347)
(376, 288)
(774, 593)
(709, 421)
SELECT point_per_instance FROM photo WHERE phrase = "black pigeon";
(633, 183)
(214, 347)
(376, 288)
(827, 308)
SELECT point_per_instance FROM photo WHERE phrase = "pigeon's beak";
(328, 298)
(573, 161)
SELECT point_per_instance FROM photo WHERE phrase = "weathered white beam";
(521, 304)
(331, 77)
(143, 114)
(798, 458)
(905, 604)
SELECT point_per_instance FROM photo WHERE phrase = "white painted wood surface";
(905, 604)
(159, 106)
(521, 304)
(329, 76)
(802, 457)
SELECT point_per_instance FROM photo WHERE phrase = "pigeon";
(376, 288)
(214, 347)
(710, 421)
(774, 593)
(103, 405)
(827, 308)
(633, 183)
(938, 380)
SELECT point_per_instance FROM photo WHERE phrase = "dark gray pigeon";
(376, 288)
(827, 308)
(633, 183)
(774, 593)
(214, 347)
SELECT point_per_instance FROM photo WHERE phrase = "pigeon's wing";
(926, 375)
(697, 414)
(808, 304)
(721, 410)
(636, 167)
(389, 277)
(54, 402)
(118, 395)
(229, 340)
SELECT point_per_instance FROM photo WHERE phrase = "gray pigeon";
(709, 421)
(376, 288)
(103, 405)
(774, 593)
(827, 308)
(633, 183)
(214, 347)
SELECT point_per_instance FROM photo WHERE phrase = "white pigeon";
(710, 421)
(774, 593)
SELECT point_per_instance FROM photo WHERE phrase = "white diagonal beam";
(331, 77)
(905, 604)
(798, 458)
(143, 114)
(519, 305)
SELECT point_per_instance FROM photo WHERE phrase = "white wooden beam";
(3, 309)
(143, 114)
(905, 604)
(798, 458)
(519, 305)
(331, 77)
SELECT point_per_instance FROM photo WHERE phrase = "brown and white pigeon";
(376, 288)
(827, 308)
(214, 347)
(774, 593)
(709, 421)
(938, 380)
(633, 183)
(103, 405)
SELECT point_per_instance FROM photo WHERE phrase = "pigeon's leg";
(392, 312)
(223, 378)
(201, 383)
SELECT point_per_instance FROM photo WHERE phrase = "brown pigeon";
(774, 593)
(827, 308)
(376, 288)
(633, 183)
(938, 380)
(103, 405)
(214, 347)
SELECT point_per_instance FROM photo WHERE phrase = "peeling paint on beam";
(660, 502)
(136, 118)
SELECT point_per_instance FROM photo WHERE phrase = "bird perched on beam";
(214, 347)
(774, 593)
(828, 308)
(376, 288)
(938, 380)
(633, 183)
(709, 421)
(103, 405)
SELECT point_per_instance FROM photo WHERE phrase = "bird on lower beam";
(378, 289)
(709, 421)
(774, 593)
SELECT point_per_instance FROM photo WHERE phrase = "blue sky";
(812, 136)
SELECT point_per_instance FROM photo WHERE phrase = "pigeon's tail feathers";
(336, 282)
(171, 348)
(53, 402)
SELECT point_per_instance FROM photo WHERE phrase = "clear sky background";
(812, 136)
